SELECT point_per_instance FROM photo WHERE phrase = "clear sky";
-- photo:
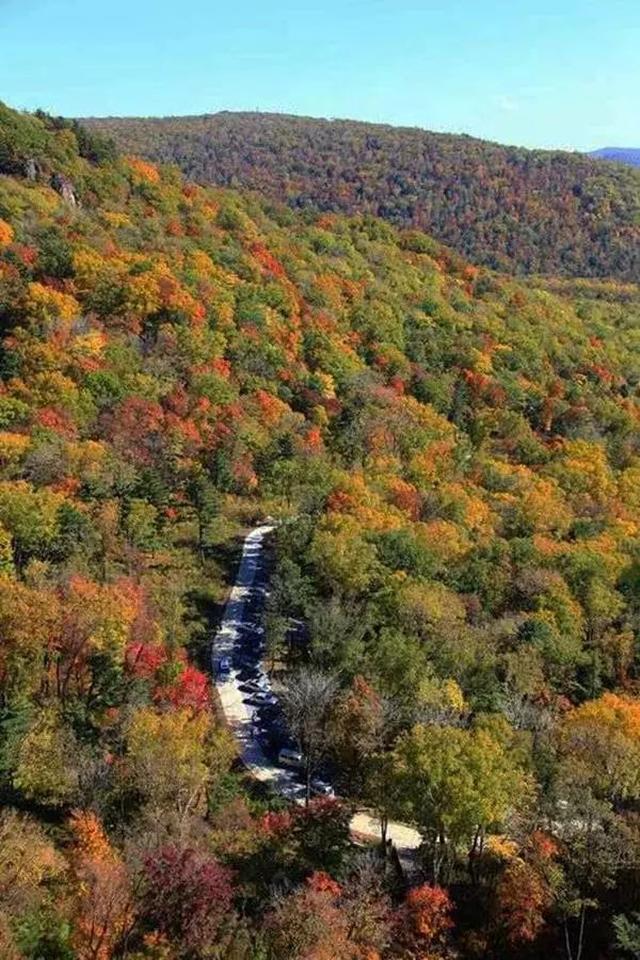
(551, 73)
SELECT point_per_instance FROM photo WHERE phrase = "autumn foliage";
(187, 895)
(103, 904)
(471, 194)
(425, 919)
(452, 458)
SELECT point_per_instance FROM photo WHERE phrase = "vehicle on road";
(319, 788)
(262, 698)
(271, 716)
(248, 669)
(270, 742)
(294, 791)
(271, 719)
(258, 685)
(289, 757)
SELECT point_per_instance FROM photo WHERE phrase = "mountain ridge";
(274, 114)
(512, 209)
(627, 155)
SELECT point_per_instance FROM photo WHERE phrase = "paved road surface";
(239, 641)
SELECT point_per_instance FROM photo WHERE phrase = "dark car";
(248, 674)
(271, 715)
(262, 698)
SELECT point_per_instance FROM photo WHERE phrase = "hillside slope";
(523, 211)
(455, 456)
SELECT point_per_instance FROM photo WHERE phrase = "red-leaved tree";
(424, 919)
(187, 895)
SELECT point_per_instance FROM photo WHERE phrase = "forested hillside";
(454, 457)
(522, 211)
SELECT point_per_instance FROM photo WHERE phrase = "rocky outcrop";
(65, 188)
(31, 169)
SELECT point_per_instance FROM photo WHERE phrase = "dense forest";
(453, 457)
(516, 210)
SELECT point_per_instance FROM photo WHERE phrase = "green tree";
(141, 524)
(204, 501)
(458, 782)
(46, 762)
(173, 759)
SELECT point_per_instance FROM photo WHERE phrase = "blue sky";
(552, 73)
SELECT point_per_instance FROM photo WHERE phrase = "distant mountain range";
(628, 155)
(517, 210)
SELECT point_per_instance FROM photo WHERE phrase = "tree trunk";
(567, 937)
(567, 941)
(307, 774)
(439, 851)
(384, 826)
(583, 914)
(473, 854)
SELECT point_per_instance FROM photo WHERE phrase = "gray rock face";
(65, 188)
(31, 169)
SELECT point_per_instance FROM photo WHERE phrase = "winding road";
(236, 653)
